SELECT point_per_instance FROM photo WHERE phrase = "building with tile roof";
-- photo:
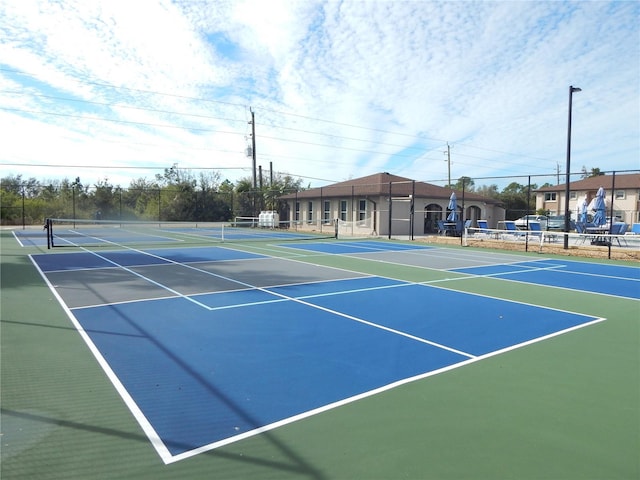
(363, 205)
(622, 191)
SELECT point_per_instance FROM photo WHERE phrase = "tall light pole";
(567, 221)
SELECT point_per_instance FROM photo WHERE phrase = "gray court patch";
(99, 286)
(269, 272)
(84, 288)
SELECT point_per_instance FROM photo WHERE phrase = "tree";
(104, 201)
(514, 198)
(16, 184)
(10, 199)
(245, 198)
(595, 172)
(490, 191)
(464, 183)
(250, 202)
(141, 200)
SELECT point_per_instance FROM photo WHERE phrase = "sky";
(113, 91)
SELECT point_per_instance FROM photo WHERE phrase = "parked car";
(556, 222)
(524, 221)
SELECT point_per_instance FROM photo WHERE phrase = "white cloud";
(389, 81)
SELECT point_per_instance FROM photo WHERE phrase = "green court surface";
(563, 408)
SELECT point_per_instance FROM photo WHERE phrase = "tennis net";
(63, 232)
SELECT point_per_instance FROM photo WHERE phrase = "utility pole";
(448, 160)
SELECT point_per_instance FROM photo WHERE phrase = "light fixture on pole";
(567, 218)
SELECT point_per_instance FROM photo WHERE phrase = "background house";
(623, 190)
(382, 204)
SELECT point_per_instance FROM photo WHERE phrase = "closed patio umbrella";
(599, 207)
(583, 208)
(453, 207)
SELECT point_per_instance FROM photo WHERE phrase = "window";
(326, 211)
(550, 197)
(362, 210)
(310, 212)
(620, 194)
(573, 195)
(343, 210)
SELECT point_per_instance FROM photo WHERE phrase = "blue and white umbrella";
(599, 207)
(453, 206)
(583, 208)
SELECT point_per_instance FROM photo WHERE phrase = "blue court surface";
(621, 281)
(202, 370)
(347, 247)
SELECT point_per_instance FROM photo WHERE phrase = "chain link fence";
(162, 204)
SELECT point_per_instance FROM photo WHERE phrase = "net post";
(47, 227)
(465, 236)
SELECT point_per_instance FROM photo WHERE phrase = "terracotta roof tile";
(623, 181)
(378, 185)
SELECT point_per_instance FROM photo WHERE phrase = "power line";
(117, 105)
(201, 99)
(105, 104)
(118, 167)
(101, 84)
(127, 122)
(337, 147)
(352, 125)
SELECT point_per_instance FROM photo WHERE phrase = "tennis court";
(320, 358)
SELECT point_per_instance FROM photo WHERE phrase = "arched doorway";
(432, 213)
(474, 214)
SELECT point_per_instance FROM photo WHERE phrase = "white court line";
(146, 426)
(483, 263)
(17, 238)
(404, 381)
(555, 268)
(317, 307)
(524, 282)
(271, 292)
(104, 240)
(168, 458)
(524, 269)
(500, 276)
(574, 272)
(147, 279)
(154, 438)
